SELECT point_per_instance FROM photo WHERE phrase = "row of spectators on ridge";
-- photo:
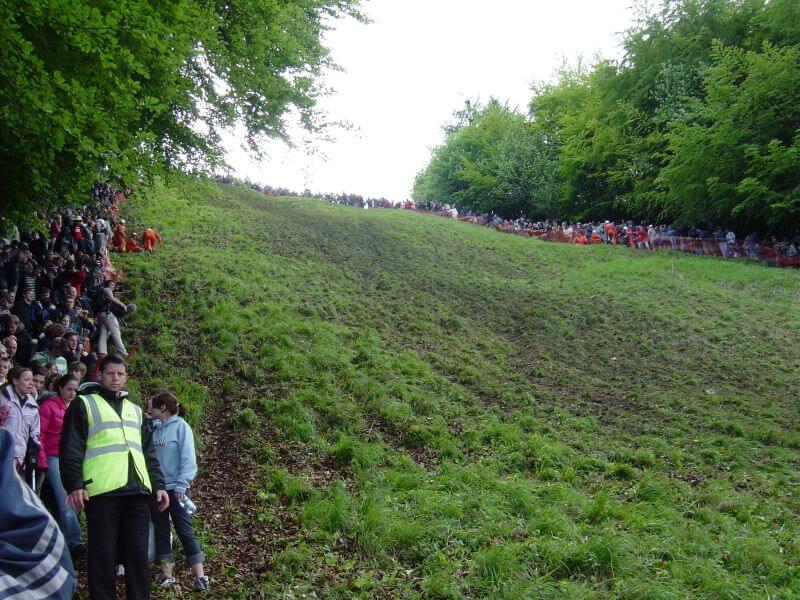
(717, 241)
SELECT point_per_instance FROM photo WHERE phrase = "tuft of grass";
(330, 513)
(244, 418)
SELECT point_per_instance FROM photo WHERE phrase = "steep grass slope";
(416, 407)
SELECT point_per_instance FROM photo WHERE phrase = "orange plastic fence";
(707, 246)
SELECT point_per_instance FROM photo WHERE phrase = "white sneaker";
(167, 582)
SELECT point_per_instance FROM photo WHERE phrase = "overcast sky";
(418, 61)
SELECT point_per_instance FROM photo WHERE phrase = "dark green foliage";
(139, 85)
(492, 161)
(698, 124)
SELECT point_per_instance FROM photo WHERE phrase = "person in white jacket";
(19, 412)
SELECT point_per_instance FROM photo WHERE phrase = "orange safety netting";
(699, 246)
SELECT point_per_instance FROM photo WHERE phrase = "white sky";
(417, 62)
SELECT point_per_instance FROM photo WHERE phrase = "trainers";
(167, 582)
(200, 584)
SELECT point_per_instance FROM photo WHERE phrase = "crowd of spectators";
(715, 241)
(61, 321)
(58, 308)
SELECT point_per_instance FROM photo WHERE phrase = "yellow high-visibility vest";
(112, 439)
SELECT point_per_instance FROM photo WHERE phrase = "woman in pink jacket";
(51, 415)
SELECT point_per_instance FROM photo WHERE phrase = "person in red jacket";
(51, 418)
(118, 241)
(149, 240)
(131, 245)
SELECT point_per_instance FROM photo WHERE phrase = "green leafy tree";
(698, 123)
(492, 160)
(136, 86)
(738, 160)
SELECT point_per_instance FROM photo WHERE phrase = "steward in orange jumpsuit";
(595, 239)
(149, 240)
(118, 240)
(611, 232)
(131, 245)
(580, 240)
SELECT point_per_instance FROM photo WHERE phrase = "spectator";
(78, 370)
(42, 309)
(51, 414)
(5, 366)
(24, 309)
(174, 444)
(10, 343)
(109, 325)
(39, 375)
(30, 541)
(22, 412)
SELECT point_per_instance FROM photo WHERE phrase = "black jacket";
(73, 447)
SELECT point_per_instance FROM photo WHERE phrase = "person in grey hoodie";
(174, 443)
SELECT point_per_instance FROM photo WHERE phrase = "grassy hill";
(394, 404)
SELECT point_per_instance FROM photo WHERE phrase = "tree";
(738, 159)
(136, 86)
(492, 160)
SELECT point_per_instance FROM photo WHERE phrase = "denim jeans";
(66, 517)
(183, 527)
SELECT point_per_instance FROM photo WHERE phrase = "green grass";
(480, 415)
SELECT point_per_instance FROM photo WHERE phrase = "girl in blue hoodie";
(174, 443)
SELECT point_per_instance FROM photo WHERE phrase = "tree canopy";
(136, 86)
(697, 124)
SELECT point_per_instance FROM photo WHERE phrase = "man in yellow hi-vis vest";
(110, 469)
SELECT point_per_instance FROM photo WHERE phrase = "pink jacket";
(51, 416)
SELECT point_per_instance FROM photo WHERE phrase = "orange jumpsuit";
(132, 246)
(118, 241)
(611, 232)
(149, 239)
(580, 240)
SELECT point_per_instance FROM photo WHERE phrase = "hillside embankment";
(391, 404)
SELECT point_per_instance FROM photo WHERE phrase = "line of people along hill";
(68, 428)
(715, 241)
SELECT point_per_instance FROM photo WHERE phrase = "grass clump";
(244, 418)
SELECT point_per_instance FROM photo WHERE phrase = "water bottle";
(188, 506)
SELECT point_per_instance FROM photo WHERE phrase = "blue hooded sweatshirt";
(34, 559)
(174, 443)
